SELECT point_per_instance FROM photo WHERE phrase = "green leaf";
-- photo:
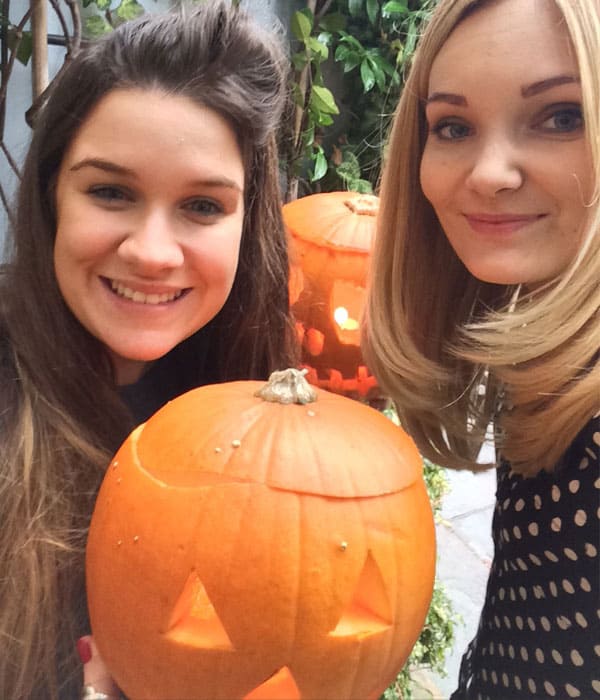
(412, 37)
(367, 76)
(129, 9)
(355, 6)
(341, 52)
(323, 100)
(333, 22)
(350, 40)
(87, 3)
(378, 72)
(362, 186)
(317, 48)
(351, 62)
(24, 48)
(373, 11)
(394, 8)
(103, 5)
(96, 26)
(308, 136)
(325, 38)
(301, 26)
(320, 165)
(348, 171)
(325, 119)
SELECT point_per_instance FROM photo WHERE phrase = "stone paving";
(464, 556)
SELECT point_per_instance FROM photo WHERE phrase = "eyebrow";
(547, 84)
(109, 167)
(526, 91)
(101, 164)
(448, 97)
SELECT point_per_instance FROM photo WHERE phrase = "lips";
(500, 223)
(151, 297)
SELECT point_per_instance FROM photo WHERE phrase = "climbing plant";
(349, 59)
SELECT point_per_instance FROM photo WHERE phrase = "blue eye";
(450, 131)
(565, 120)
(204, 207)
(108, 193)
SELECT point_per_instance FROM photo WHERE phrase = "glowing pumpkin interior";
(331, 238)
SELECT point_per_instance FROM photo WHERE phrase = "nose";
(151, 246)
(496, 168)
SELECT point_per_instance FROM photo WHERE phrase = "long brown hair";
(60, 414)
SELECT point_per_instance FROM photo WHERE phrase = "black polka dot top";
(539, 632)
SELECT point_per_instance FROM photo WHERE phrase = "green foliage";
(18, 40)
(371, 41)
(22, 42)
(437, 635)
(109, 15)
(315, 103)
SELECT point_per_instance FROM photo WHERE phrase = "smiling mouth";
(500, 223)
(138, 297)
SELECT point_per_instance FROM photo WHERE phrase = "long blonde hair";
(450, 349)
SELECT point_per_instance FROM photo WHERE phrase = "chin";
(499, 275)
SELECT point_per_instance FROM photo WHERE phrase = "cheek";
(429, 177)
(217, 262)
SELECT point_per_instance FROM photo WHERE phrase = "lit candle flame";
(342, 318)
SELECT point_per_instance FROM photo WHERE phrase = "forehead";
(524, 39)
(143, 128)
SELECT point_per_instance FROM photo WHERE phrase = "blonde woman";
(484, 310)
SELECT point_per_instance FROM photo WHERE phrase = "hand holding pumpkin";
(248, 549)
(96, 677)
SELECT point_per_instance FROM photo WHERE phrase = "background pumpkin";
(331, 236)
(242, 548)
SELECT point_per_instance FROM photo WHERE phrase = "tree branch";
(39, 56)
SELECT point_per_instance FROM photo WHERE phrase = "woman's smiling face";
(150, 208)
(506, 164)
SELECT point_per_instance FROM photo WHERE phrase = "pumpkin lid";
(334, 447)
(339, 220)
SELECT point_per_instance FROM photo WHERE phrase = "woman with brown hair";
(148, 257)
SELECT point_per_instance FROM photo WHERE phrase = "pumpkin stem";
(287, 386)
(366, 205)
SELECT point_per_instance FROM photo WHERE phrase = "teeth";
(140, 297)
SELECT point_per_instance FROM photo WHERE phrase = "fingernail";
(84, 650)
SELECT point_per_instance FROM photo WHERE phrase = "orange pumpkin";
(331, 235)
(243, 548)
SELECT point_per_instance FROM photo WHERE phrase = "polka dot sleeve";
(539, 632)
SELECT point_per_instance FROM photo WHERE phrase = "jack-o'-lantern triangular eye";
(369, 609)
(194, 620)
(280, 686)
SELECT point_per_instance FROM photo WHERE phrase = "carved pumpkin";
(331, 235)
(243, 548)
